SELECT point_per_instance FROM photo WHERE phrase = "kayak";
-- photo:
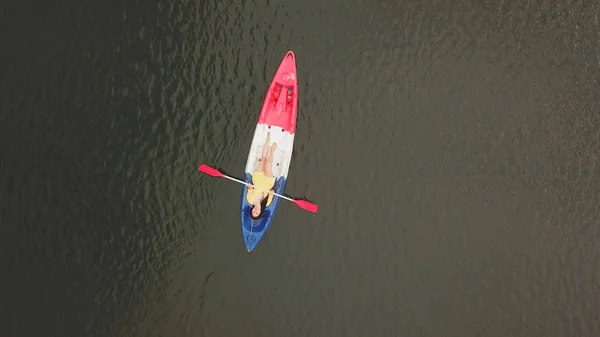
(277, 116)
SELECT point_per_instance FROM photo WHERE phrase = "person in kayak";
(263, 178)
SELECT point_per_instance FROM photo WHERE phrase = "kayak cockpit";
(253, 230)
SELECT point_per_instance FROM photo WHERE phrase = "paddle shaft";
(244, 183)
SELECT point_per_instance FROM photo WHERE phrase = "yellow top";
(260, 180)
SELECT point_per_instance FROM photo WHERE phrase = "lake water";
(452, 147)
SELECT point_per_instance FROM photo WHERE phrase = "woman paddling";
(263, 178)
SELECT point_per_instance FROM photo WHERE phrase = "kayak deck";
(283, 152)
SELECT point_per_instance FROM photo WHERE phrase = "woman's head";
(258, 209)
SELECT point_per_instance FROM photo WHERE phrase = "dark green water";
(452, 148)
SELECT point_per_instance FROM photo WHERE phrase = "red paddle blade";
(307, 205)
(210, 171)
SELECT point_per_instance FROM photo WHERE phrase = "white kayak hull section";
(283, 153)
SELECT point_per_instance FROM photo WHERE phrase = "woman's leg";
(269, 162)
(264, 156)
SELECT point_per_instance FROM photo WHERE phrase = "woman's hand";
(271, 192)
(249, 186)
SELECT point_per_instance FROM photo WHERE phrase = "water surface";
(452, 148)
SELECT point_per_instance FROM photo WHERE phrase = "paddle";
(300, 203)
